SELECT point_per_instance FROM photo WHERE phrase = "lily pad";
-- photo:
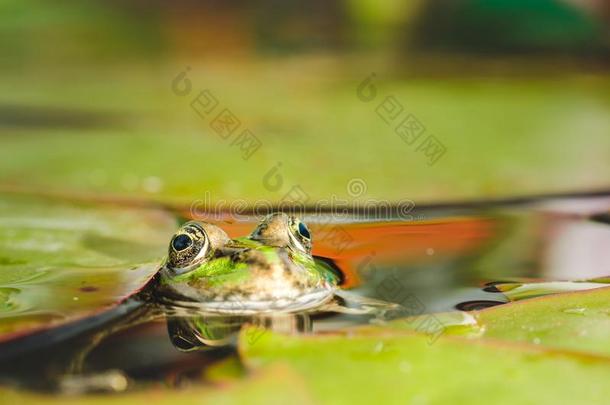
(545, 350)
(577, 321)
(402, 367)
(60, 261)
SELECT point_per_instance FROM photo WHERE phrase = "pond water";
(65, 265)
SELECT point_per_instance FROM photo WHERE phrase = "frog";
(270, 270)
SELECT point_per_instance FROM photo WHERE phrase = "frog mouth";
(237, 305)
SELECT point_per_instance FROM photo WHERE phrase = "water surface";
(64, 266)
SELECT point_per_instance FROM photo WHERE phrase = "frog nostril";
(181, 242)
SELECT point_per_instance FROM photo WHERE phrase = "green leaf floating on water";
(502, 363)
(403, 368)
(577, 321)
(60, 261)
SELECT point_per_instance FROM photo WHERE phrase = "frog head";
(270, 270)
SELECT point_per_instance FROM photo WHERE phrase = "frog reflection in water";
(272, 270)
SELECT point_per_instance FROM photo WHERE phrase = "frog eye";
(300, 236)
(303, 230)
(189, 247)
(181, 242)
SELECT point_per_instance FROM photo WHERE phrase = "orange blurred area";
(354, 246)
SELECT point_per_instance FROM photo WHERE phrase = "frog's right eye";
(189, 247)
(181, 242)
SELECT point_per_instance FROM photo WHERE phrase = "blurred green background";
(517, 92)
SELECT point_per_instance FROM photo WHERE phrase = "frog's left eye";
(303, 230)
(189, 247)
